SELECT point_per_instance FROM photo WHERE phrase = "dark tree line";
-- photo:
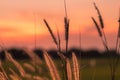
(21, 54)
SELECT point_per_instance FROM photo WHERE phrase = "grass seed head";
(51, 32)
(97, 26)
(99, 16)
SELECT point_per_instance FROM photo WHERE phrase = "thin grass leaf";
(99, 16)
(97, 26)
(51, 33)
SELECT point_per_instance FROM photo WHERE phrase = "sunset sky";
(19, 17)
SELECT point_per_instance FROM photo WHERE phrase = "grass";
(65, 68)
(101, 69)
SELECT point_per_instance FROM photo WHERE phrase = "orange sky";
(18, 18)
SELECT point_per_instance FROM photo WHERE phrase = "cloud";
(7, 29)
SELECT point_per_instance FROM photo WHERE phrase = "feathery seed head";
(97, 26)
(99, 16)
(50, 30)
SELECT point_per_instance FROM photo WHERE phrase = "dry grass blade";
(15, 76)
(68, 69)
(38, 78)
(30, 67)
(99, 16)
(50, 30)
(61, 55)
(3, 72)
(2, 77)
(97, 26)
(18, 66)
(75, 67)
(33, 56)
(52, 68)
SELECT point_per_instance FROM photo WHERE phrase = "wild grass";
(52, 68)
(64, 59)
(101, 66)
(68, 70)
(3, 74)
(10, 58)
(75, 67)
(113, 62)
(71, 69)
(14, 75)
(29, 66)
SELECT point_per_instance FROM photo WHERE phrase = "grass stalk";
(117, 48)
(66, 24)
(65, 7)
(59, 40)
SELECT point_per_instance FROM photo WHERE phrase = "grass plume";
(3, 74)
(51, 33)
(113, 62)
(97, 26)
(75, 67)
(18, 66)
(30, 67)
(68, 70)
(14, 75)
(99, 16)
(33, 56)
(51, 66)
(66, 24)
